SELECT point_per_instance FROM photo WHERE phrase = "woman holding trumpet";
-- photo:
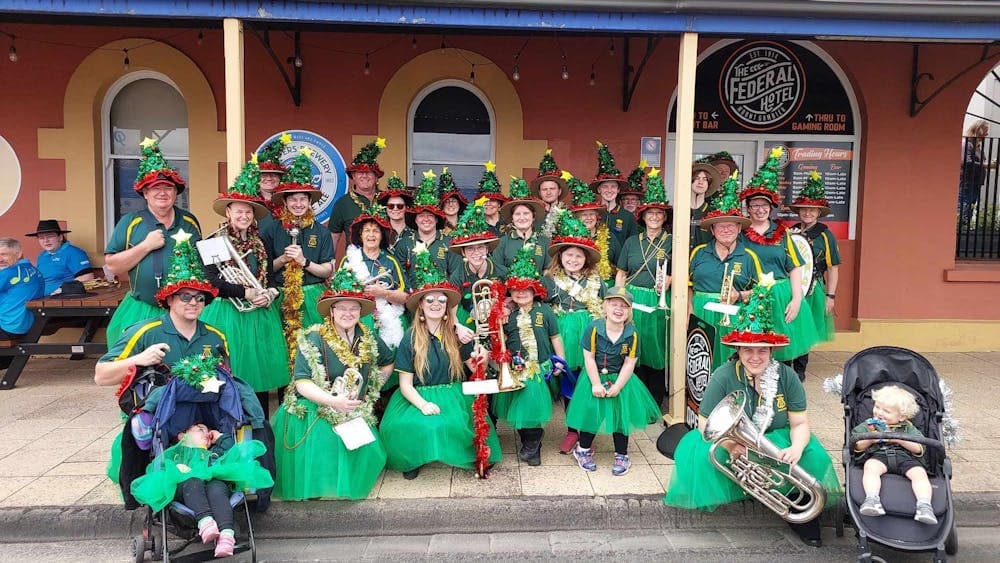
(644, 269)
(247, 313)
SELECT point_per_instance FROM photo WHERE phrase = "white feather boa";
(388, 316)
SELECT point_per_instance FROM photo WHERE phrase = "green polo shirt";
(826, 253)
(463, 279)
(161, 330)
(558, 297)
(621, 224)
(345, 210)
(706, 268)
(438, 365)
(317, 246)
(779, 258)
(445, 260)
(731, 376)
(132, 230)
(334, 367)
(639, 256)
(384, 264)
(699, 236)
(544, 326)
(395, 237)
(510, 243)
(610, 355)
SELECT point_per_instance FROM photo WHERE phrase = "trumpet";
(482, 305)
(724, 305)
(217, 250)
(763, 481)
(661, 281)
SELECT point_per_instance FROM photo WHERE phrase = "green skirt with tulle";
(413, 439)
(817, 304)
(698, 484)
(257, 350)
(129, 312)
(801, 332)
(314, 463)
(632, 409)
(571, 327)
(651, 326)
(530, 407)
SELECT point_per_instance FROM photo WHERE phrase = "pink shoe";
(225, 545)
(569, 442)
(208, 530)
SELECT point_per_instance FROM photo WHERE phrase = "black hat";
(47, 226)
(72, 289)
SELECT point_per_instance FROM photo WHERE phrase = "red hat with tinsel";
(755, 323)
(606, 169)
(367, 159)
(813, 194)
(245, 189)
(153, 168)
(185, 271)
(269, 157)
(345, 286)
(764, 183)
(523, 273)
(298, 180)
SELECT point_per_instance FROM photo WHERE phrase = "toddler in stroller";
(892, 411)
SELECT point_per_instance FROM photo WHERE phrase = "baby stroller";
(180, 406)
(865, 372)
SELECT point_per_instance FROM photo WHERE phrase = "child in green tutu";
(609, 400)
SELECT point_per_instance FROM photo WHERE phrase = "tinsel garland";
(480, 427)
(195, 369)
(367, 351)
(588, 293)
(603, 266)
(253, 243)
(764, 413)
(387, 316)
(775, 238)
(291, 305)
(738, 337)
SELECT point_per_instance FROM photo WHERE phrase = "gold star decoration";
(307, 151)
(490, 166)
(444, 170)
(253, 157)
(482, 201)
(211, 385)
(181, 236)
(735, 175)
(285, 138)
(430, 174)
(776, 152)
(643, 163)
(766, 280)
(599, 144)
(654, 172)
(814, 175)
(380, 142)
(566, 175)
(147, 143)
(548, 152)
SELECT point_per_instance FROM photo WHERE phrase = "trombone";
(216, 250)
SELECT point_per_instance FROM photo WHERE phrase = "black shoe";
(808, 532)
(411, 474)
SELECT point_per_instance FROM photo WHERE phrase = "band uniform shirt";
(621, 224)
(698, 236)
(560, 299)
(161, 330)
(544, 327)
(62, 265)
(132, 230)
(19, 283)
(731, 376)
(437, 364)
(345, 210)
(610, 355)
(826, 253)
(445, 260)
(706, 268)
(464, 278)
(317, 246)
(332, 364)
(381, 265)
(640, 273)
(779, 258)
(510, 243)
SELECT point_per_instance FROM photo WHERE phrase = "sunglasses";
(395, 206)
(431, 299)
(347, 308)
(187, 297)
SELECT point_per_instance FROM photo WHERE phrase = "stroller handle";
(937, 445)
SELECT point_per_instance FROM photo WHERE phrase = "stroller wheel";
(139, 549)
(838, 519)
(951, 542)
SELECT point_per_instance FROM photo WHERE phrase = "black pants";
(208, 498)
(566, 407)
(799, 365)
(655, 380)
(621, 442)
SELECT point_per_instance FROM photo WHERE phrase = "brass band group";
(446, 317)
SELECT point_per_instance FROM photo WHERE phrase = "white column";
(235, 123)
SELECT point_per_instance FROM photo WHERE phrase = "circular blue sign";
(328, 167)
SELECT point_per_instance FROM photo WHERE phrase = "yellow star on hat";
(380, 142)
(148, 142)
(285, 138)
(181, 236)
(490, 166)
(211, 385)
(566, 175)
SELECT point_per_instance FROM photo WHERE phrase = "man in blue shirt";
(60, 261)
(20, 282)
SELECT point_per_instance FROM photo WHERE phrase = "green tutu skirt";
(632, 409)
(115, 459)
(313, 462)
(530, 407)
(696, 483)
(129, 312)
(238, 466)
(652, 327)
(257, 350)
(801, 332)
(413, 439)
(720, 352)
(571, 327)
(817, 304)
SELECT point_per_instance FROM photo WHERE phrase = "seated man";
(20, 282)
(59, 261)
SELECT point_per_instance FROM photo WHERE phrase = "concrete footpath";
(56, 428)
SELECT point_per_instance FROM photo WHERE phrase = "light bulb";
(472, 76)
(612, 50)
(368, 68)
(565, 73)
(298, 62)
(127, 61)
(12, 53)
(201, 36)
(516, 74)
(593, 78)
(413, 43)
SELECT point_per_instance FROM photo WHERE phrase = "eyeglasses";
(432, 299)
(395, 206)
(187, 297)
(347, 308)
(759, 206)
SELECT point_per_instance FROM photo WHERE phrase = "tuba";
(482, 306)
(216, 250)
(764, 481)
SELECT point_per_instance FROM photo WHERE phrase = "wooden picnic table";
(94, 310)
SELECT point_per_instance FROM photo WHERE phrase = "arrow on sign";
(809, 117)
(715, 115)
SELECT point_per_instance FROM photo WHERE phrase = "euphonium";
(233, 269)
(482, 305)
(764, 481)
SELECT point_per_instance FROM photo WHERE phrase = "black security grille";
(978, 216)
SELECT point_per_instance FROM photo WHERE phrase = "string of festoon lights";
(13, 56)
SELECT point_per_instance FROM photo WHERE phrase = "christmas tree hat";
(367, 159)
(374, 213)
(636, 179)
(185, 271)
(606, 169)
(345, 286)
(754, 324)
(520, 194)
(395, 188)
(523, 273)
(269, 157)
(425, 200)
(489, 184)
(570, 231)
(427, 278)
(725, 206)
(548, 170)
(298, 180)
(448, 189)
(813, 195)
(472, 229)
(654, 198)
(722, 161)
(584, 198)
(153, 168)
(764, 183)
(199, 371)
(714, 176)
(245, 189)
